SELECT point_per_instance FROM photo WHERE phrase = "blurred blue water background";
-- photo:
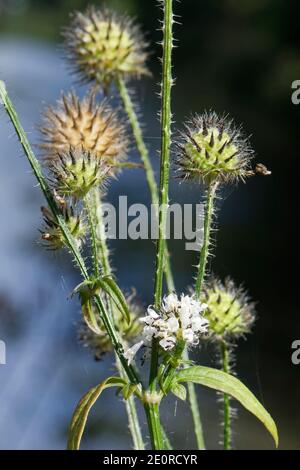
(47, 371)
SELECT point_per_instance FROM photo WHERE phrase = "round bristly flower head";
(76, 172)
(83, 125)
(99, 343)
(211, 149)
(229, 312)
(178, 319)
(52, 235)
(102, 45)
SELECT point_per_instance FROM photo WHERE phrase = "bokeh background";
(238, 56)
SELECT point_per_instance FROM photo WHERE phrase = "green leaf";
(178, 390)
(108, 284)
(128, 390)
(83, 408)
(84, 290)
(226, 383)
(89, 317)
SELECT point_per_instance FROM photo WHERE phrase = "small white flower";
(188, 335)
(200, 324)
(176, 320)
(170, 302)
(173, 324)
(168, 343)
(131, 352)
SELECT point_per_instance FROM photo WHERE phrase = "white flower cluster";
(178, 319)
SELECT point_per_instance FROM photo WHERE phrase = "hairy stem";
(198, 429)
(10, 109)
(157, 435)
(102, 249)
(133, 419)
(101, 252)
(166, 120)
(209, 211)
(224, 350)
(141, 146)
(8, 105)
(138, 135)
(90, 209)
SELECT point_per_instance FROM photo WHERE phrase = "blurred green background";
(238, 56)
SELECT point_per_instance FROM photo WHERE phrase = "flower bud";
(100, 344)
(229, 312)
(212, 149)
(76, 172)
(52, 235)
(102, 45)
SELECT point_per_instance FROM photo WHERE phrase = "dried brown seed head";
(84, 125)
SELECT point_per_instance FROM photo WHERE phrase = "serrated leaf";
(229, 384)
(83, 408)
(112, 289)
(179, 391)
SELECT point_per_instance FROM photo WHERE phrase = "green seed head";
(76, 172)
(100, 344)
(229, 312)
(102, 45)
(52, 235)
(212, 149)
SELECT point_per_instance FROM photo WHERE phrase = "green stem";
(141, 146)
(166, 121)
(155, 429)
(209, 211)
(90, 209)
(226, 399)
(101, 252)
(138, 135)
(102, 249)
(133, 419)
(129, 369)
(134, 425)
(9, 107)
(195, 411)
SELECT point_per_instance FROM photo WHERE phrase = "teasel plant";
(84, 146)
(108, 50)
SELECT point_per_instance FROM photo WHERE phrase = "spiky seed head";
(102, 45)
(84, 125)
(211, 149)
(76, 172)
(100, 344)
(52, 235)
(229, 312)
